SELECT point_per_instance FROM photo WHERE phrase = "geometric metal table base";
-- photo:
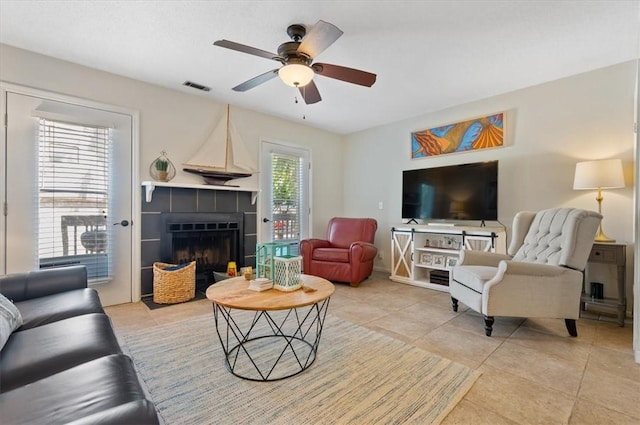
(273, 344)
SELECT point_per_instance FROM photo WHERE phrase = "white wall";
(549, 128)
(179, 123)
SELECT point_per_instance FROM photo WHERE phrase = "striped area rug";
(359, 377)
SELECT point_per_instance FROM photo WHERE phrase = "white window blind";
(73, 183)
(287, 183)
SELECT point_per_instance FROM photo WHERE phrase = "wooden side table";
(269, 335)
(612, 254)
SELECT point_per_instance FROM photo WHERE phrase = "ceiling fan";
(297, 56)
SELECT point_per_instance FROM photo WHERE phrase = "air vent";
(196, 86)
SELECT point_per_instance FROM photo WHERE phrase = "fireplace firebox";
(209, 239)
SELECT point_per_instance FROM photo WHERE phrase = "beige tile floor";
(532, 371)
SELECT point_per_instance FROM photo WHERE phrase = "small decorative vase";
(162, 169)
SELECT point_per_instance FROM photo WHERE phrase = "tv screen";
(456, 192)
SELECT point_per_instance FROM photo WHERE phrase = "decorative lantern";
(286, 273)
(265, 254)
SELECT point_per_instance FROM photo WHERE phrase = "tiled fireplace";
(205, 225)
(209, 239)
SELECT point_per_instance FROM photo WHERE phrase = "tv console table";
(422, 255)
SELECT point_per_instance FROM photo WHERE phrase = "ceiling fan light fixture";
(296, 75)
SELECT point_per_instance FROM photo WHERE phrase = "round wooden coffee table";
(269, 335)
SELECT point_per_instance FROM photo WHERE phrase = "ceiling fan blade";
(247, 49)
(255, 81)
(343, 73)
(310, 93)
(321, 36)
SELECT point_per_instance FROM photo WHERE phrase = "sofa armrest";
(40, 283)
(306, 250)
(362, 251)
(481, 258)
(531, 269)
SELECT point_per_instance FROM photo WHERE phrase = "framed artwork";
(426, 258)
(452, 261)
(480, 133)
(438, 260)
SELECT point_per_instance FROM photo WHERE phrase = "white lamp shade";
(296, 75)
(603, 174)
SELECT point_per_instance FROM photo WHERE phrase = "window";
(73, 203)
(287, 178)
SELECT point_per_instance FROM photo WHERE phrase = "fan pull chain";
(295, 100)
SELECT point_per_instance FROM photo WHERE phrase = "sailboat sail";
(223, 156)
(239, 154)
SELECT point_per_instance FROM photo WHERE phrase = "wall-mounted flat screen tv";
(455, 192)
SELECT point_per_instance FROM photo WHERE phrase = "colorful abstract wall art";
(476, 134)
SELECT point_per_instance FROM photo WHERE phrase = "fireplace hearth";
(209, 239)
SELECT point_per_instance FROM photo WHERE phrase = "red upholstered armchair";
(346, 255)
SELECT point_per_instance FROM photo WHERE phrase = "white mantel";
(151, 185)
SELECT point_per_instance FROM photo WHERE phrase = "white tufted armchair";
(540, 277)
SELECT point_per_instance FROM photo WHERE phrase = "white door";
(285, 193)
(63, 205)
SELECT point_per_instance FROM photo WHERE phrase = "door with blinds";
(285, 193)
(67, 191)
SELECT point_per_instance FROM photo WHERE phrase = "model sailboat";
(223, 156)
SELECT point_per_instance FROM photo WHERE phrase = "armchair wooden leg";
(488, 325)
(454, 304)
(571, 327)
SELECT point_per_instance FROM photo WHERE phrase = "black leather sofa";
(64, 364)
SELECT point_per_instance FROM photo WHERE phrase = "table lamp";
(602, 174)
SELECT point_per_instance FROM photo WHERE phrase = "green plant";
(284, 181)
(162, 165)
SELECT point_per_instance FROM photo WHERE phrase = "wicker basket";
(173, 286)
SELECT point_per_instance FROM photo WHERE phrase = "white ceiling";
(428, 55)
